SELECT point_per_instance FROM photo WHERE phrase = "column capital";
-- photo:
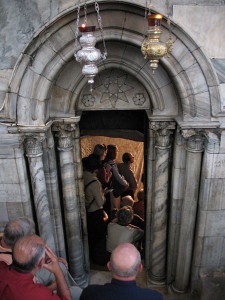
(59, 126)
(33, 146)
(199, 139)
(212, 140)
(162, 130)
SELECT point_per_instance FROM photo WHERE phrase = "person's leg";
(75, 292)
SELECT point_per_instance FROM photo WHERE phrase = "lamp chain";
(85, 12)
(77, 28)
(104, 54)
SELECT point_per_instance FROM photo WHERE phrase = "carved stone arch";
(51, 49)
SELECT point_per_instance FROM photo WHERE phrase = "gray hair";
(132, 271)
(28, 266)
(125, 215)
(16, 229)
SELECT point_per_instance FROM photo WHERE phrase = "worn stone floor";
(102, 276)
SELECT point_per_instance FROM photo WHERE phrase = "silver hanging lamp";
(88, 55)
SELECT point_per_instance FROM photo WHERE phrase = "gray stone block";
(215, 224)
(15, 210)
(212, 250)
(216, 198)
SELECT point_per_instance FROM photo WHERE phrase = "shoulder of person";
(150, 294)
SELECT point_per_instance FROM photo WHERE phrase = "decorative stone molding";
(33, 146)
(163, 130)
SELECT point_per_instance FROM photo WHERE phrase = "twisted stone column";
(71, 205)
(176, 201)
(34, 153)
(51, 178)
(159, 204)
(194, 149)
(80, 195)
(149, 195)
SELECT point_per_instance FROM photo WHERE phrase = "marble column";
(71, 205)
(157, 270)
(194, 149)
(176, 201)
(149, 194)
(80, 194)
(51, 178)
(34, 153)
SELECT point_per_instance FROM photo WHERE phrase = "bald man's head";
(125, 261)
(27, 253)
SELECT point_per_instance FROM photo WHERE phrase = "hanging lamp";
(88, 55)
(152, 48)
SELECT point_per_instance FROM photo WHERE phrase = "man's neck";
(124, 278)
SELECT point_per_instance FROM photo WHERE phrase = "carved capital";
(58, 126)
(33, 146)
(212, 141)
(162, 130)
(65, 141)
(195, 143)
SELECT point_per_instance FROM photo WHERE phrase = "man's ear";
(140, 268)
(41, 263)
(109, 266)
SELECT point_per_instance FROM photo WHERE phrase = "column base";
(156, 282)
(175, 290)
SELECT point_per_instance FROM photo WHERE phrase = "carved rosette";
(33, 147)
(163, 130)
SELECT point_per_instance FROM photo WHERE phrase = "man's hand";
(52, 263)
(62, 260)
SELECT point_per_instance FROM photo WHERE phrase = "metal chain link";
(168, 18)
(104, 54)
(77, 29)
(85, 12)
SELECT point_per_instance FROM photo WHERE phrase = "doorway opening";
(126, 129)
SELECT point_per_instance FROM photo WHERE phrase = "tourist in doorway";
(122, 231)
(97, 218)
(139, 206)
(118, 183)
(103, 175)
(125, 170)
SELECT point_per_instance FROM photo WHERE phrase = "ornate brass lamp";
(152, 48)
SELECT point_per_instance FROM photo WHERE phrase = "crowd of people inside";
(114, 216)
(29, 269)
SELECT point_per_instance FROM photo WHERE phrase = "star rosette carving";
(115, 89)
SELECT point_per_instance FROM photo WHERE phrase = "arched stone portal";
(46, 95)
